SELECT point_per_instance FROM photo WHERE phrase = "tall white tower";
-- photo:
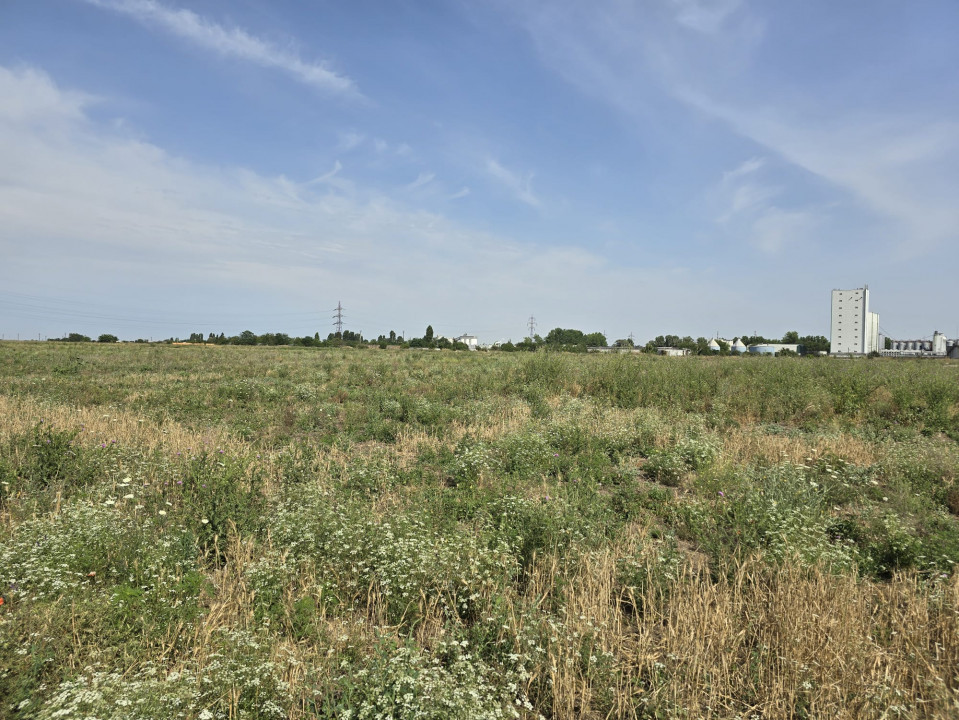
(854, 330)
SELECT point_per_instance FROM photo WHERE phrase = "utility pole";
(532, 326)
(338, 320)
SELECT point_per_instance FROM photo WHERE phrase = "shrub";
(51, 459)
(86, 548)
(239, 680)
(221, 494)
(406, 683)
(409, 564)
(666, 466)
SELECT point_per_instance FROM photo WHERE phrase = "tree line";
(557, 339)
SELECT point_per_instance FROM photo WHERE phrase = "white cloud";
(462, 193)
(85, 206)
(230, 42)
(520, 187)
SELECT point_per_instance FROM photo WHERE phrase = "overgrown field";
(231, 532)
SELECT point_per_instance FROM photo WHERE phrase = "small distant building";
(737, 346)
(774, 348)
(470, 341)
(672, 351)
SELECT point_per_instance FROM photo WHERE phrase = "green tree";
(429, 334)
(560, 336)
(247, 337)
(596, 339)
(791, 338)
(107, 338)
(814, 343)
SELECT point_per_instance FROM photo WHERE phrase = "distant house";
(470, 341)
(672, 351)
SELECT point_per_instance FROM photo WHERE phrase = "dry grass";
(761, 641)
(106, 424)
(750, 445)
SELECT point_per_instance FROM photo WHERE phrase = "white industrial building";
(854, 330)
(735, 346)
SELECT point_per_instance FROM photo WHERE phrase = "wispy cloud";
(706, 16)
(896, 168)
(230, 42)
(521, 187)
(349, 141)
(748, 167)
(886, 164)
(460, 194)
(424, 178)
(775, 229)
(328, 176)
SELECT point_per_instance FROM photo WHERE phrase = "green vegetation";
(289, 532)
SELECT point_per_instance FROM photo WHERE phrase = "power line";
(338, 319)
(532, 326)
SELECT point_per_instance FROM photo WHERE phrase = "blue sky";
(648, 167)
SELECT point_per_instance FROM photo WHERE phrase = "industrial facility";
(939, 346)
(855, 331)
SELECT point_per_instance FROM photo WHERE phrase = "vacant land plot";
(293, 533)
